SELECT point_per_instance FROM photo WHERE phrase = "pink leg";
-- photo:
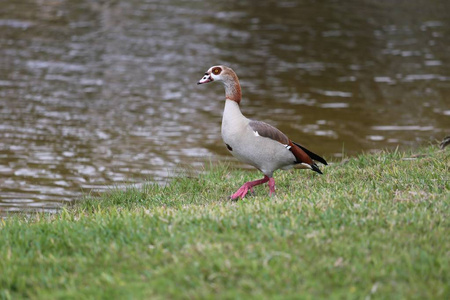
(243, 190)
(271, 186)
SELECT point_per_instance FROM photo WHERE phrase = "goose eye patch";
(217, 71)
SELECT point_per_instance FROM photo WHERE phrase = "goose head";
(229, 79)
(216, 73)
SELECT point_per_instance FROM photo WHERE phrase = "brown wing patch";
(268, 131)
(299, 154)
(312, 154)
(302, 155)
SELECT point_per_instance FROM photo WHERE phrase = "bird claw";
(248, 187)
(233, 199)
(238, 194)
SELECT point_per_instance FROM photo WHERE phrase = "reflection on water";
(96, 94)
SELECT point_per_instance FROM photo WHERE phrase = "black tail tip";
(315, 168)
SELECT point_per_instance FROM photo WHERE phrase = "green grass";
(375, 227)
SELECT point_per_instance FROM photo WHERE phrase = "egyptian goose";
(254, 142)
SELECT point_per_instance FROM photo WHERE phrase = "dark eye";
(216, 71)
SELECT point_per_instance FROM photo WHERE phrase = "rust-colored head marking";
(227, 77)
(217, 70)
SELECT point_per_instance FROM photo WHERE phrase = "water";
(95, 94)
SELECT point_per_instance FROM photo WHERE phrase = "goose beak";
(205, 79)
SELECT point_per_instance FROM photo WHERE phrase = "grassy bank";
(376, 226)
